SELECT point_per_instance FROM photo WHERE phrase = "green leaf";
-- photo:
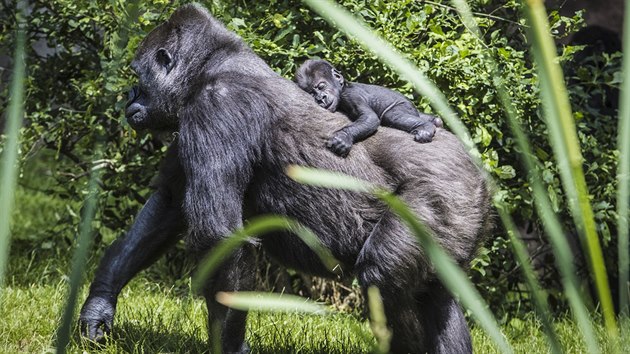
(328, 179)
(257, 301)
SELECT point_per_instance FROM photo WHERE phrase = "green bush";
(76, 92)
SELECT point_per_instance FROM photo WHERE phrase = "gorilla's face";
(322, 81)
(326, 90)
(151, 102)
(169, 63)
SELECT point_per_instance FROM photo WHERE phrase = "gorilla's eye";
(321, 85)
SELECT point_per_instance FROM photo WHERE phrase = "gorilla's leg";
(158, 226)
(236, 274)
(445, 327)
(389, 260)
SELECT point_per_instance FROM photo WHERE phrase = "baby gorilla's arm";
(366, 124)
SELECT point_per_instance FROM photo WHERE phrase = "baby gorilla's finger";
(342, 150)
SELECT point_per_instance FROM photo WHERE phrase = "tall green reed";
(258, 227)
(447, 270)
(551, 223)
(623, 174)
(9, 167)
(79, 260)
(565, 144)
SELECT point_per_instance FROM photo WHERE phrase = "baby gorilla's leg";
(437, 121)
(422, 127)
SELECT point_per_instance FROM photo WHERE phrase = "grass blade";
(623, 174)
(449, 273)
(540, 303)
(328, 179)
(8, 173)
(258, 301)
(378, 321)
(543, 208)
(259, 227)
(566, 148)
(78, 262)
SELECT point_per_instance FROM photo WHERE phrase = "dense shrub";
(78, 73)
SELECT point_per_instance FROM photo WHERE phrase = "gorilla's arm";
(158, 226)
(365, 124)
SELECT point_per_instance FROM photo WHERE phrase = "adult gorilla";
(240, 125)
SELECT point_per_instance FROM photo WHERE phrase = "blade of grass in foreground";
(260, 226)
(623, 174)
(543, 207)
(8, 172)
(78, 261)
(448, 272)
(567, 152)
(344, 21)
(519, 249)
(259, 301)
(378, 321)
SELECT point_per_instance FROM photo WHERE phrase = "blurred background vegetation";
(78, 75)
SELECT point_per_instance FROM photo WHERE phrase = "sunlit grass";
(155, 318)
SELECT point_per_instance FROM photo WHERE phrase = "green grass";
(153, 319)
(157, 312)
(154, 316)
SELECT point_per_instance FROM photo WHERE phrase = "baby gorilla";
(367, 106)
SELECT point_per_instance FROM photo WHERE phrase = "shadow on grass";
(138, 338)
(291, 338)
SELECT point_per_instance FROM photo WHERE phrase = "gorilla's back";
(438, 180)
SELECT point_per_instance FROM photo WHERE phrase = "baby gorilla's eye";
(321, 86)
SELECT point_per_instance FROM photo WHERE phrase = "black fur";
(368, 106)
(237, 136)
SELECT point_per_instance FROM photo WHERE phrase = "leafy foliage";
(78, 74)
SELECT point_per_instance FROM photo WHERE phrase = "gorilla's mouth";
(330, 105)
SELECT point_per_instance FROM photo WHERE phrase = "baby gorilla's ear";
(337, 75)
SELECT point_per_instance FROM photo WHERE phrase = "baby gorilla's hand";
(340, 143)
(424, 134)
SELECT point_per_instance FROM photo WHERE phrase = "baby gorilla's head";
(322, 81)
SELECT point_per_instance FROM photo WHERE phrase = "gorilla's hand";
(243, 350)
(96, 318)
(340, 143)
(424, 134)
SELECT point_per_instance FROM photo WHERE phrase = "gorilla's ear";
(165, 59)
(337, 76)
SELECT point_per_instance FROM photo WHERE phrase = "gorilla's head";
(320, 79)
(171, 63)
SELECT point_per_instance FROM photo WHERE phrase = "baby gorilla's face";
(322, 81)
(325, 90)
